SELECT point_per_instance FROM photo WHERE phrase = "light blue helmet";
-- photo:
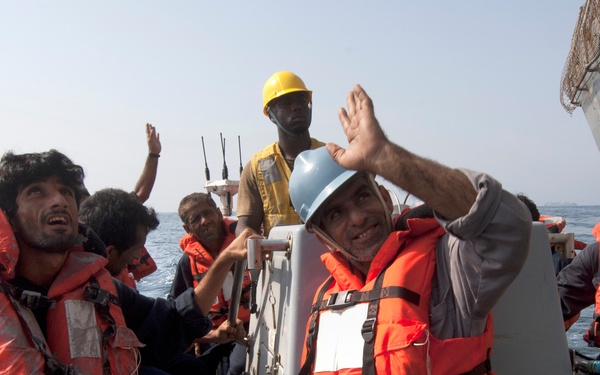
(315, 177)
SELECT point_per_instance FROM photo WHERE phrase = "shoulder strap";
(102, 300)
(28, 298)
(368, 329)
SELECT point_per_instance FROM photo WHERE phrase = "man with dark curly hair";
(62, 312)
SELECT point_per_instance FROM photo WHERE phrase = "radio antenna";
(225, 173)
(240, 151)
(206, 170)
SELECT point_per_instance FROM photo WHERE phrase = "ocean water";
(163, 245)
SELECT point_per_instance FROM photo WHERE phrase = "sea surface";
(163, 245)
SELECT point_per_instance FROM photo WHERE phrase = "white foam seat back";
(529, 336)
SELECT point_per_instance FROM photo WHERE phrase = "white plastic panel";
(285, 292)
(529, 336)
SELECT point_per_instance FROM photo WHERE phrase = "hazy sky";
(472, 84)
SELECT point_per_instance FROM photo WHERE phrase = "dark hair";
(535, 214)
(115, 215)
(192, 200)
(18, 171)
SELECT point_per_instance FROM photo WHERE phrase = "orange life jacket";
(554, 224)
(382, 326)
(142, 267)
(86, 329)
(9, 250)
(201, 260)
(593, 332)
(126, 278)
(139, 268)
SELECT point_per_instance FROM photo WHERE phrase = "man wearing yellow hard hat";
(263, 197)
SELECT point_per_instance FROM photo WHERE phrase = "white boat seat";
(529, 335)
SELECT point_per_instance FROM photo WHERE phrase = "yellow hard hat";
(282, 83)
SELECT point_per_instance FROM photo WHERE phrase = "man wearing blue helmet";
(412, 296)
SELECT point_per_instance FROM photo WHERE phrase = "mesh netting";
(584, 53)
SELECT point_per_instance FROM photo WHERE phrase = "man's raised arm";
(448, 191)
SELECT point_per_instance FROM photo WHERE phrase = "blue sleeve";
(577, 282)
(183, 279)
(166, 327)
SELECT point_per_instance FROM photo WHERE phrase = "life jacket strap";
(216, 314)
(347, 298)
(484, 368)
(28, 298)
(196, 274)
(102, 300)
(368, 328)
(144, 259)
(99, 296)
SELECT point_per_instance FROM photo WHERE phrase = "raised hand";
(153, 139)
(366, 140)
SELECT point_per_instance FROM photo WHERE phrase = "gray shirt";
(477, 259)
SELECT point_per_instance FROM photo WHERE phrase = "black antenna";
(206, 171)
(240, 150)
(225, 173)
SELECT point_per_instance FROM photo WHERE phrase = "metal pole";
(236, 291)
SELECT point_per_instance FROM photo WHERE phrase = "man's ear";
(271, 116)
(111, 252)
(386, 197)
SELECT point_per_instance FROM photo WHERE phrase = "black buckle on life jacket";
(368, 329)
(340, 299)
(34, 300)
(97, 295)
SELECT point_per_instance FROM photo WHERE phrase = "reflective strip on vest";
(227, 287)
(272, 176)
(340, 342)
(84, 335)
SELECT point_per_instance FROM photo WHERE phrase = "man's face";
(204, 222)
(293, 111)
(355, 219)
(118, 261)
(46, 217)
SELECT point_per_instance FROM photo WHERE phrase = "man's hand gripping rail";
(260, 249)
